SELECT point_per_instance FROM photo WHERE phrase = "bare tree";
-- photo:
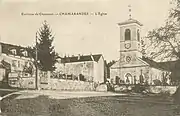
(165, 42)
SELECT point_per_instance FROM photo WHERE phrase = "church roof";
(81, 58)
(123, 64)
(129, 21)
(168, 66)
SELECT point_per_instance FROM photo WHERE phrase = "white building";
(91, 67)
(131, 68)
(16, 56)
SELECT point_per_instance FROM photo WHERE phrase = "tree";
(166, 42)
(47, 57)
(28, 68)
(111, 63)
(108, 67)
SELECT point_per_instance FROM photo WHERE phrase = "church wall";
(125, 71)
(113, 73)
(133, 55)
(145, 73)
(149, 74)
(135, 72)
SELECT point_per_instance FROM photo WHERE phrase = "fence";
(73, 77)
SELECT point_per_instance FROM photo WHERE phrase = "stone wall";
(54, 84)
(70, 85)
(163, 89)
(151, 89)
(28, 83)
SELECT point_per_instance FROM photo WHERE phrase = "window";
(13, 51)
(138, 35)
(26, 63)
(25, 53)
(19, 64)
(127, 34)
(14, 63)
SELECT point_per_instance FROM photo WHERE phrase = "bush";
(157, 82)
(176, 95)
(165, 93)
(110, 86)
(139, 88)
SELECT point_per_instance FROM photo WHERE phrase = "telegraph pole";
(36, 63)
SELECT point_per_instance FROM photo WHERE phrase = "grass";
(92, 106)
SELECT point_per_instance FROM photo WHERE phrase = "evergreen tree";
(47, 57)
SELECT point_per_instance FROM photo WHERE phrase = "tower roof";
(130, 21)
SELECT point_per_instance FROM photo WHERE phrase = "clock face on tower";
(127, 45)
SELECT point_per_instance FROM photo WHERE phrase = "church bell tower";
(130, 39)
(130, 65)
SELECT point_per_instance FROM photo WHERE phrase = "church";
(130, 68)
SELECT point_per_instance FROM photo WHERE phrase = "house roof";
(129, 21)
(123, 64)
(81, 58)
(168, 66)
(6, 49)
(6, 65)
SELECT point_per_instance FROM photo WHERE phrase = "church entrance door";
(128, 79)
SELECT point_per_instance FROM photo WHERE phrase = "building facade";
(131, 68)
(83, 67)
(17, 56)
(16, 62)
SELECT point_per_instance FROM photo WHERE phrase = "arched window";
(128, 78)
(127, 34)
(138, 35)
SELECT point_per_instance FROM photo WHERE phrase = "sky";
(78, 34)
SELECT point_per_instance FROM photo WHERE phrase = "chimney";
(79, 56)
(92, 57)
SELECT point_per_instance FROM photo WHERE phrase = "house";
(84, 67)
(15, 60)
(131, 68)
(17, 56)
